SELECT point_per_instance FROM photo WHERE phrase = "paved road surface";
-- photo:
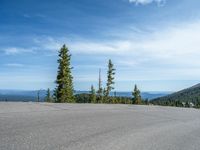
(42, 126)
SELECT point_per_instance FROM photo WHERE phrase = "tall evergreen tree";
(187, 104)
(115, 94)
(110, 78)
(48, 96)
(38, 96)
(100, 89)
(64, 90)
(136, 96)
(105, 97)
(92, 95)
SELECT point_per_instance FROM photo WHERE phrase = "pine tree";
(187, 104)
(100, 90)
(115, 94)
(136, 96)
(64, 90)
(38, 96)
(92, 95)
(105, 98)
(48, 96)
(110, 78)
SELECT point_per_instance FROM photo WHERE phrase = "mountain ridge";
(191, 94)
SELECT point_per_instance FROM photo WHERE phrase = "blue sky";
(154, 43)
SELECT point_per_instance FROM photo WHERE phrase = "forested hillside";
(186, 96)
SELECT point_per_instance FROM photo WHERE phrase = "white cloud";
(175, 48)
(16, 50)
(14, 65)
(11, 51)
(145, 2)
(166, 53)
(33, 15)
(171, 53)
(179, 43)
(98, 47)
(26, 16)
(49, 43)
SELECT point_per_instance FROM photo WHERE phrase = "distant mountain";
(153, 95)
(191, 94)
(22, 92)
(145, 95)
(21, 95)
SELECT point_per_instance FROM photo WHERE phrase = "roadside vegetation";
(64, 91)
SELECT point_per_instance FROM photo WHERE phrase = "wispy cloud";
(17, 50)
(15, 65)
(84, 46)
(145, 2)
(170, 53)
(26, 16)
(173, 45)
(12, 51)
(37, 15)
(176, 45)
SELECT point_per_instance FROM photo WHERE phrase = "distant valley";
(22, 95)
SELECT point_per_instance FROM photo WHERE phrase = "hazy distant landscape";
(25, 96)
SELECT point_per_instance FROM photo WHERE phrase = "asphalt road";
(42, 126)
